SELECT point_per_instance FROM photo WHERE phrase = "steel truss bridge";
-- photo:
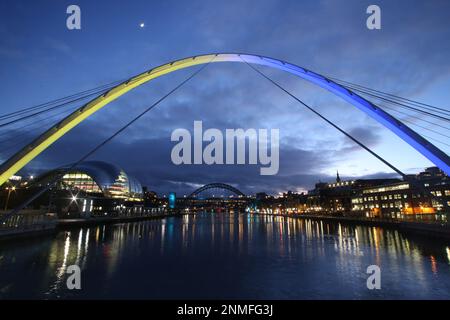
(221, 186)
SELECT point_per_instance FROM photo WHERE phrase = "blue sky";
(41, 60)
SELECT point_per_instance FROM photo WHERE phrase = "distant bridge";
(222, 186)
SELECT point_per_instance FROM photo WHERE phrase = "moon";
(142, 24)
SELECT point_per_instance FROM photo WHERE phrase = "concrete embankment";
(65, 223)
(58, 224)
(21, 233)
(429, 229)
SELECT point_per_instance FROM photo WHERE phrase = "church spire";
(338, 179)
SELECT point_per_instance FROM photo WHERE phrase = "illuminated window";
(388, 188)
(81, 181)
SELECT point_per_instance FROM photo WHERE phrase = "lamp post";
(9, 194)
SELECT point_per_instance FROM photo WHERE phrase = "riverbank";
(21, 233)
(68, 223)
(50, 228)
(429, 229)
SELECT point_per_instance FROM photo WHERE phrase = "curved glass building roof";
(100, 176)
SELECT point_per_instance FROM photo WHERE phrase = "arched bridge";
(30, 151)
(222, 186)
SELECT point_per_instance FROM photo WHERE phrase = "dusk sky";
(41, 60)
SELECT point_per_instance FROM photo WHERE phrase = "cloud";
(407, 57)
(149, 160)
(58, 45)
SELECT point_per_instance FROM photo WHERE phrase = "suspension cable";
(400, 104)
(417, 103)
(61, 174)
(28, 133)
(326, 120)
(418, 125)
(59, 100)
(415, 117)
(32, 124)
(437, 140)
(53, 107)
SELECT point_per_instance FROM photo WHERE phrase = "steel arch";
(30, 151)
(217, 186)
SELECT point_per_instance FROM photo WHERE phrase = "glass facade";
(98, 177)
(81, 181)
(120, 188)
(403, 186)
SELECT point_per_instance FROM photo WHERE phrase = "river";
(226, 256)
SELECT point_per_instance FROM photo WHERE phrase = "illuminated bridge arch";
(217, 186)
(30, 151)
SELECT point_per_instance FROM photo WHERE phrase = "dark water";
(226, 256)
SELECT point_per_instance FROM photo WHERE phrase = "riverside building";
(426, 194)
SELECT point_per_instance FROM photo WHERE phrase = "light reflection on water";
(226, 256)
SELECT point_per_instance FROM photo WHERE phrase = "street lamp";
(9, 194)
